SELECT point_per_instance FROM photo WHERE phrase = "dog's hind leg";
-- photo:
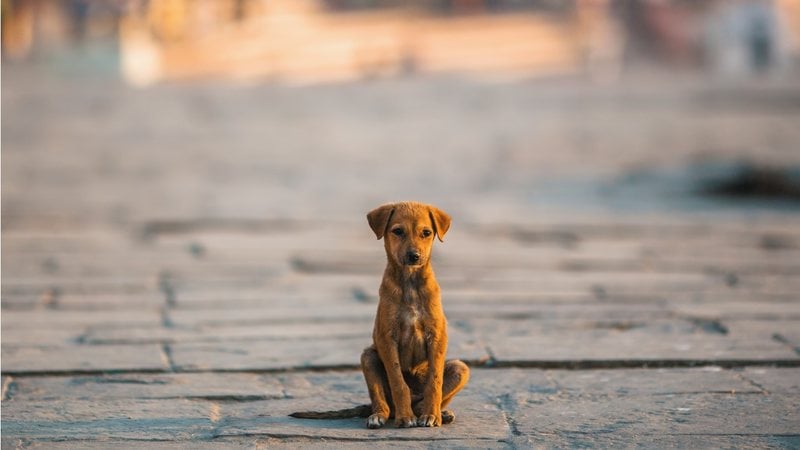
(456, 375)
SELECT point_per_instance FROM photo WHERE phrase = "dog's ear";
(441, 222)
(378, 219)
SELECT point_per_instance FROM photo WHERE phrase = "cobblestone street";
(185, 265)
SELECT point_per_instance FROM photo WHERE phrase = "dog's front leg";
(377, 384)
(401, 394)
(431, 407)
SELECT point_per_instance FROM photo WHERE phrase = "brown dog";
(405, 369)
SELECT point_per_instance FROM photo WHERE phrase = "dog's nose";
(412, 256)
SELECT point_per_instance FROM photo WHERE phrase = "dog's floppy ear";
(441, 222)
(378, 219)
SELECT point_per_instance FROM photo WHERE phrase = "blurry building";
(731, 37)
(31, 27)
(313, 40)
(307, 40)
(749, 36)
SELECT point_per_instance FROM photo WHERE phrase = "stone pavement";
(186, 265)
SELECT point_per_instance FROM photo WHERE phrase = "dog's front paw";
(405, 422)
(376, 421)
(429, 420)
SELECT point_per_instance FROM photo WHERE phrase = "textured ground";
(184, 266)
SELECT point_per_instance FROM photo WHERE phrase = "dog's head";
(408, 229)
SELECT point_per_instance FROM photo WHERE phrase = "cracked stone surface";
(184, 266)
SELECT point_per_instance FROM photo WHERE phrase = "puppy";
(405, 368)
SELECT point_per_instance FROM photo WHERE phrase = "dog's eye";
(397, 231)
(426, 233)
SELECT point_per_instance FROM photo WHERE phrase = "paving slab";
(655, 382)
(81, 285)
(785, 331)
(225, 444)
(648, 441)
(636, 346)
(83, 358)
(641, 408)
(204, 386)
(520, 279)
(145, 301)
(43, 337)
(53, 297)
(741, 310)
(267, 355)
(95, 419)
(290, 287)
(51, 318)
(557, 311)
(350, 311)
(773, 380)
(706, 414)
(231, 332)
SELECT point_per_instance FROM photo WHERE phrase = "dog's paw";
(376, 421)
(429, 420)
(405, 422)
(448, 417)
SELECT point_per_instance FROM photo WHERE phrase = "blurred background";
(326, 40)
(119, 111)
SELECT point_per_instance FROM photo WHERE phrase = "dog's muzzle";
(413, 258)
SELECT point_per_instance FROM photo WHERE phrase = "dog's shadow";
(332, 424)
(279, 425)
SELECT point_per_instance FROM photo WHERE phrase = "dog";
(405, 369)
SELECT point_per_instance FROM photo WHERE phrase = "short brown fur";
(405, 368)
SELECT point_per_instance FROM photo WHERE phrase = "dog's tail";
(348, 413)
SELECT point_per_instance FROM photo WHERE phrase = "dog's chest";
(412, 336)
(412, 323)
